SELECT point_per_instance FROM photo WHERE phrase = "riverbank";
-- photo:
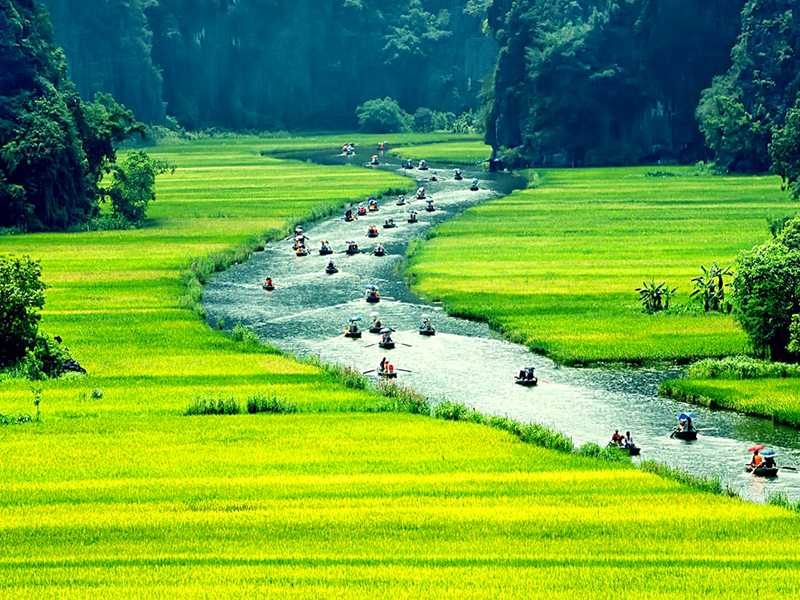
(114, 492)
(555, 266)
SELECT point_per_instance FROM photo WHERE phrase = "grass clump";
(213, 406)
(269, 404)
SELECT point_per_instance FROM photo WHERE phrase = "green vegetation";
(117, 297)
(356, 505)
(556, 266)
(469, 151)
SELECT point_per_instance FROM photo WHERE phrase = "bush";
(423, 120)
(404, 399)
(21, 299)
(242, 334)
(211, 406)
(382, 115)
(741, 367)
(133, 186)
(271, 404)
(47, 359)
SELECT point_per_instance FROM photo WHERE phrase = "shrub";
(610, 454)
(15, 419)
(133, 185)
(404, 399)
(382, 115)
(423, 120)
(741, 367)
(242, 334)
(453, 411)
(269, 404)
(212, 406)
(21, 299)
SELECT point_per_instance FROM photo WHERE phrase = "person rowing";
(389, 223)
(434, 177)
(373, 294)
(372, 231)
(412, 217)
(379, 250)
(372, 206)
(423, 165)
(374, 162)
(401, 200)
(352, 330)
(352, 248)
(426, 327)
(325, 248)
(430, 207)
(387, 343)
(268, 285)
(527, 377)
(349, 216)
(362, 210)
(331, 268)
(474, 187)
(458, 175)
(617, 438)
(422, 193)
(376, 325)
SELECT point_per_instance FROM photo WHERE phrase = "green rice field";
(468, 151)
(115, 494)
(556, 266)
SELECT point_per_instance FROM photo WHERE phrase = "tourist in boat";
(401, 200)
(616, 438)
(376, 324)
(372, 231)
(348, 215)
(372, 206)
(379, 250)
(268, 285)
(474, 187)
(331, 268)
(628, 441)
(769, 461)
(389, 223)
(386, 337)
(422, 193)
(412, 216)
(382, 365)
(423, 165)
(362, 210)
(457, 175)
(426, 324)
(434, 178)
(756, 461)
(430, 207)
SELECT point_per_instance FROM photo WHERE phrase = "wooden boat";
(354, 335)
(362, 211)
(301, 252)
(352, 249)
(423, 166)
(428, 331)
(372, 232)
(331, 270)
(373, 298)
(413, 219)
(526, 382)
(629, 450)
(389, 225)
(686, 436)
(430, 208)
(268, 288)
(373, 207)
(379, 252)
(387, 374)
(458, 176)
(390, 345)
(376, 328)
(763, 471)
(325, 251)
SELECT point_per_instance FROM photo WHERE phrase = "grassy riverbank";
(115, 494)
(469, 151)
(556, 266)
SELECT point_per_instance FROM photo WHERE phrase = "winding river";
(466, 361)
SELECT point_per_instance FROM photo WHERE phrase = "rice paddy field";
(555, 266)
(116, 494)
(467, 151)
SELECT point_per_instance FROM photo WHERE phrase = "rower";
(401, 201)
(352, 248)
(362, 210)
(407, 164)
(325, 248)
(434, 178)
(756, 460)
(372, 231)
(331, 268)
(458, 175)
(389, 223)
(422, 193)
(430, 207)
(423, 165)
(348, 215)
(268, 285)
(474, 187)
(412, 217)
(376, 324)
(379, 250)
(374, 160)
(372, 206)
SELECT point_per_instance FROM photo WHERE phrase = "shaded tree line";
(270, 64)
(605, 82)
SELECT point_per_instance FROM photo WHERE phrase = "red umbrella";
(756, 448)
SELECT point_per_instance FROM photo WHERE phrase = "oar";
(370, 346)
(368, 372)
(405, 370)
(408, 345)
(795, 469)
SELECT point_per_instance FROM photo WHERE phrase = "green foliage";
(382, 115)
(712, 485)
(47, 359)
(710, 287)
(784, 151)
(269, 404)
(213, 406)
(741, 367)
(133, 185)
(767, 292)
(655, 297)
(423, 120)
(53, 146)
(21, 299)
(740, 111)
(598, 83)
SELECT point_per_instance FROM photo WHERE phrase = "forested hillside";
(271, 64)
(598, 82)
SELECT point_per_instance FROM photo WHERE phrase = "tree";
(382, 115)
(133, 185)
(423, 120)
(767, 292)
(21, 299)
(785, 151)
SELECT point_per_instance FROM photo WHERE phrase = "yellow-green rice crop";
(556, 266)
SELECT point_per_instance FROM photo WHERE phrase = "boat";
(529, 379)
(372, 206)
(373, 295)
(407, 164)
(429, 331)
(387, 374)
(372, 232)
(331, 269)
(352, 249)
(401, 201)
(412, 217)
(629, 450)
(352, 331)
(763, 471)
(422, 193)
(685, 430)
(389, 224)
(301, 251)
(474, 187)
(430, 207)
(268, 287)
(379, 251)
(374, 162)
(376, 326)
(434, 178)
(388, 345)
(457, 175)
(423, 165)
(362, 210)
(325, 249)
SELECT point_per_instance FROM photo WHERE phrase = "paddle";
(795, 469)
(407, 345)
(368, 372)
(370, 346)
(405, 370)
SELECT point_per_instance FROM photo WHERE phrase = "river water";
(467, 362)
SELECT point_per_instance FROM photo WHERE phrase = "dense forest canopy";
(53, 145)
(270, 64)
(597, 82)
